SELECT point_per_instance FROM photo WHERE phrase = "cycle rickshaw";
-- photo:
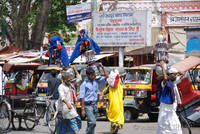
(189, 109)
(17, 99)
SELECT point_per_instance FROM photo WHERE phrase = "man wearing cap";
(88, 96)
(168, 122)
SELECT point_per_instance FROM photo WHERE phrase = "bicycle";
(51, 115)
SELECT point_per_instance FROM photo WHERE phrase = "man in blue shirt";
(88, 96)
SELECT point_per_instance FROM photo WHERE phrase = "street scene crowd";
(67, 88)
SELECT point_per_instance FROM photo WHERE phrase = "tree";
(24, 22)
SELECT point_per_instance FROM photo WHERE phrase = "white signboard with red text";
(125, 28)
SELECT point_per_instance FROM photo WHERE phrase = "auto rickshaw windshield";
(196, 77)
(138, 76)
(45, 77)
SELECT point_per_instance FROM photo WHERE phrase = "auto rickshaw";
(140, 92)
(17, 100)
(195, 77)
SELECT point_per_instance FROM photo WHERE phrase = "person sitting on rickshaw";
(20, 82)
(147, 77)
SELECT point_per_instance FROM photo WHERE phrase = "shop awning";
(145, 50)
(187, 63)
(82, 59)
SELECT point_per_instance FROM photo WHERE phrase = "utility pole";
(94, 9)
(94, 5)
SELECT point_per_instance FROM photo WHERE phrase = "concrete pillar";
(121, 57)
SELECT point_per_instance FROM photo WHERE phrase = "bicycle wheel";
(51, 121)
(40, 111)
(30, 117)
(185, 123)
(16, 122)
(5, 117)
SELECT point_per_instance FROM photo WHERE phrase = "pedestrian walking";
(168, 122)
(70, 123)
(88, 96)
(53, 84)
(115, 110)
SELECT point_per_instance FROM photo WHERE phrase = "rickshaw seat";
(19, 97)
(14, 91)
(186, 92)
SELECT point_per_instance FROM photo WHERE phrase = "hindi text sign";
(120, 28)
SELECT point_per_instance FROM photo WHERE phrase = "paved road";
(142, 126)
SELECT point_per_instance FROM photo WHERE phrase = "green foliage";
(9, 11)
(57, 20)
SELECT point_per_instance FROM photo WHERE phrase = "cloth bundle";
(113, 78)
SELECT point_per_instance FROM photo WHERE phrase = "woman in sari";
(115, 110)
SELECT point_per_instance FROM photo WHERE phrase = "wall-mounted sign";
(125, 28)
(185, 19)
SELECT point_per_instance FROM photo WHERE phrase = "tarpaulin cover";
(187, 63)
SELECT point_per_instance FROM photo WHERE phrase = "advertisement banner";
(185, 19)
(117, 28)
(78, 12)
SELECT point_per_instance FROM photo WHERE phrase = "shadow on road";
(140, 120)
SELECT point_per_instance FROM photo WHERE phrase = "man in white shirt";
(67, 99)
(168, 122)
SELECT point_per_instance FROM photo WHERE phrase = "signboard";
(125, 28)
(70, 49)
(78, 12)
(185, 19)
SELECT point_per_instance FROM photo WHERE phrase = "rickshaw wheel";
(5, 117)
(51, 121)
(40, 111)
(185, 124)
(15, 122)
(130, 115)
(30, 117)
(153, 117)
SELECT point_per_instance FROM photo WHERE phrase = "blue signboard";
(78, 17)
(76, 13)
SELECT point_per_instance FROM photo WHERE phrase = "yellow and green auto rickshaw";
(140, 92)
(195, 77)
(43, 72)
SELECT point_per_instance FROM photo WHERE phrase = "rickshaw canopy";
(48, 68)
(187, 64)
(20, 66)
